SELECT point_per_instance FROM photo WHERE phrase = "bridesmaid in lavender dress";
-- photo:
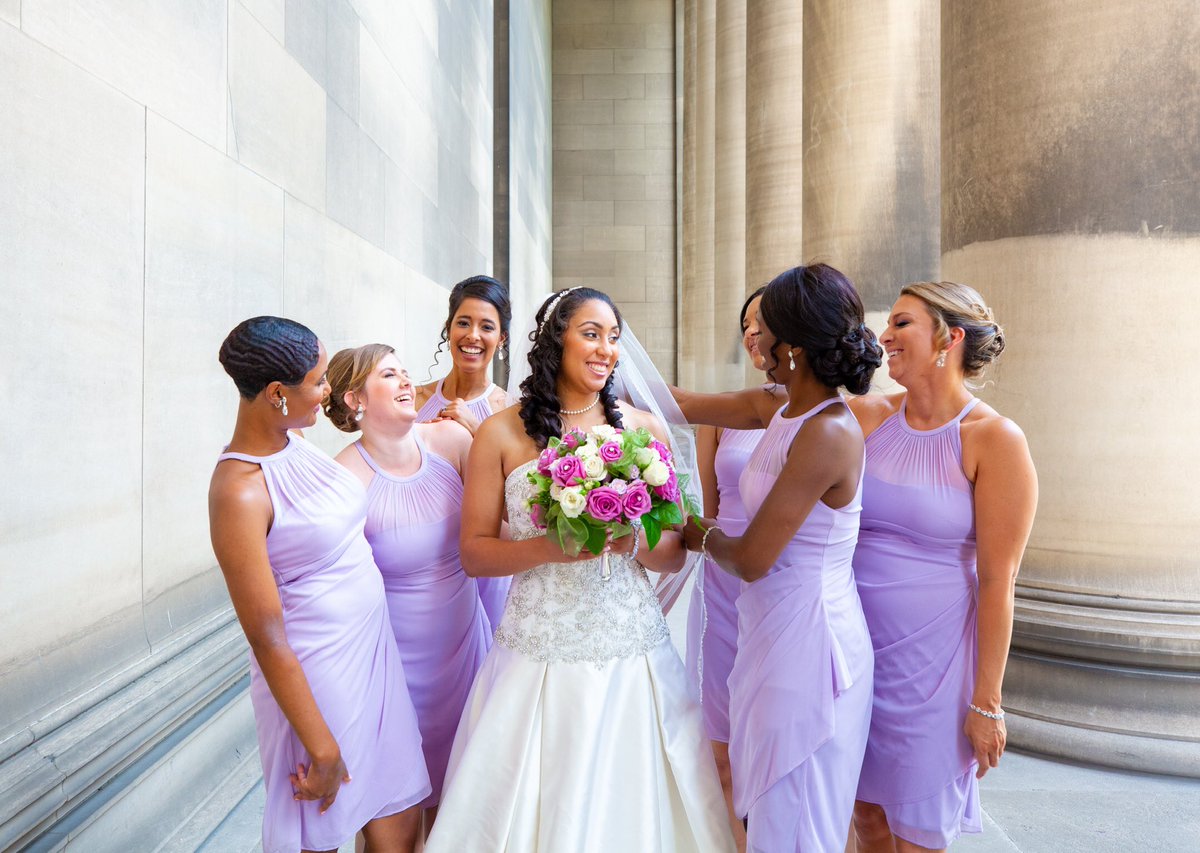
(800, 689)
(712, 616)
(948, 502)
(413, 476)
(475, 330)
(326, 682)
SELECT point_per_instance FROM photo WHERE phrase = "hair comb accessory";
(551, 309)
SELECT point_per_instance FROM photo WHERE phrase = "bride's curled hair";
(817, 309)
(539, 404)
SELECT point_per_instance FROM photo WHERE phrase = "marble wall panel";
(354, 176)
(167, 55)
(214, 256)
(71, 271)
(278, 111)
(10, 11)
(272, 14)
(306, 36)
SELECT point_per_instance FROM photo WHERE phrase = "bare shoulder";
(498, 400)
(988, 431)
(448, 439)
(873, 409)
(834, 425)
(634, 418)
(423, 393)
(238, 486)
(347, 455)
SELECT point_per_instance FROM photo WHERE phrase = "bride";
(579, 733)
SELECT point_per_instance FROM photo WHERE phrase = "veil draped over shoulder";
(638, 382)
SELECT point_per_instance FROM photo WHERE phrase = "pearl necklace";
(586, 408)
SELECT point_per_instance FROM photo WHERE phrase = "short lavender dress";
(493, 592)
(800, 690)
(439, 623)
(712, 616)
(915, 568)
(336, 619)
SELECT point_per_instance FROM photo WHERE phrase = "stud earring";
(941, 359)
(358, 413)
(791, 361)
(283, 406)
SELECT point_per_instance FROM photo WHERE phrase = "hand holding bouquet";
(598, 485)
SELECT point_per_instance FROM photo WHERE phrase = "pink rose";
(669, 491)
(567, 471)
(636, 500)
(537, 516)
(573, 439)
(610, 452)
(604, 504)
(545, 460)
(663, 451)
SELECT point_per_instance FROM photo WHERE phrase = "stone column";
(686, 346)
(871, 143)
(1071, 201)
(774, 130)
(698, 303)
(730, 202)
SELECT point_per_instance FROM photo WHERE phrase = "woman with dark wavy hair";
(476, 329)
(326, 681)
(948, 503)
(579, 733)
(800, 687)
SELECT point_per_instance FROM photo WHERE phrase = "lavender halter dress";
(438, 620)
(915, 568)
(712, 616)
(800, 690)
(493, 592)
(336, 620)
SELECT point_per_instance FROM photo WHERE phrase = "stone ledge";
(53, 778)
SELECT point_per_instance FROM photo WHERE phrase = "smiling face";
(474, 334)
(909, 340)
(304, 399)
(387, 395)
(751, 332)
(772, 352)
(590, 347)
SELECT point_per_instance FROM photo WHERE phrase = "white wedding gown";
(580, 734)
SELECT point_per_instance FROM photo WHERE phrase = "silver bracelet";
(704, 541)
(999, 715)
(637, 541)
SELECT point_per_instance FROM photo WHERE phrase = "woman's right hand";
(321, 780)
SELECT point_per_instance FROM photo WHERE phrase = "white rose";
(657, 472)
(556, 491)
(593, 467)
(604, 431)
(587, 450)
(643, 456)
(572, 501)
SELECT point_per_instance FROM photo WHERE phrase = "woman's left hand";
(622, 547)
(988, 738)
(457, 410)
(693, 531)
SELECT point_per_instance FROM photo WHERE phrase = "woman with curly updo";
(413, 476)
(948, 503)
(476, 329)
(800, 687)
(326, 682)
(579, 733)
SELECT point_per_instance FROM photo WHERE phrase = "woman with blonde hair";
(413, 476)
(948, 502)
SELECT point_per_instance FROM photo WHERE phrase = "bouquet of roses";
(604, 484)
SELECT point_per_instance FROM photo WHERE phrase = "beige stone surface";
(169, 56)
(214, 256)
(10, 11)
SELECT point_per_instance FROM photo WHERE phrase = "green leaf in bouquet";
(653, 530)
(668, 513)
(540, 481)
(595, 538)
(568, 535)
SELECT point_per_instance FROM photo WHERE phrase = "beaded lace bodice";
(567, 611)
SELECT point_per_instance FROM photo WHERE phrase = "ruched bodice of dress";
(480, 406)
(567, 611)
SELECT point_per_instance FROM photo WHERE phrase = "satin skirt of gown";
(580, 733)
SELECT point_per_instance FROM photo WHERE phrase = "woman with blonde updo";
(413, 476)
(948, 502)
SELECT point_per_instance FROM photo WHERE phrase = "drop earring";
(941, 359)
(500, 354)
(791, 361)
(283, 406)
(358, 413)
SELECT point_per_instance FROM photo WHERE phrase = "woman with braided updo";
(800, 686)
(948, 502)
(326, 682)
(579, 733)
